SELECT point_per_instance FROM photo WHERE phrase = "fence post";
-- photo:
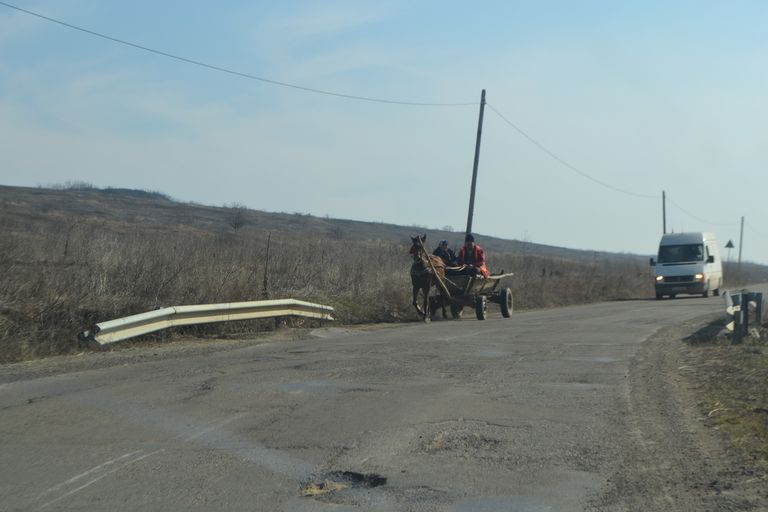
(759, 312)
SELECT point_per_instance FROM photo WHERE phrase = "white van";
(688, 263)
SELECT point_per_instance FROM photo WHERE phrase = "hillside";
(22, 207)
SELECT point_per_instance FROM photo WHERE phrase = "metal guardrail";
(739, 303)
(135, 325)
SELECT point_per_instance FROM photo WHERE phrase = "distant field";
(73, 257)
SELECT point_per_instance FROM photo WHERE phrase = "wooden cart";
(473, 291)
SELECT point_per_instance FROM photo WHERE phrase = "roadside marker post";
(738, 306)
(733, 309)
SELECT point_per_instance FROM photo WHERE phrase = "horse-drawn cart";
(459, 287)
(475, 292)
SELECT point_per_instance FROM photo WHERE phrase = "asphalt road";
(519, 414)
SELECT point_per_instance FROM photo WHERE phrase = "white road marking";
(91, 482)
(105, 469)
(86, 473)
(213, 426)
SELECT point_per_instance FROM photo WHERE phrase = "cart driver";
(473, 256)
(446, 254)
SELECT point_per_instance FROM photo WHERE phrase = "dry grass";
(73, 262)
(733, 397)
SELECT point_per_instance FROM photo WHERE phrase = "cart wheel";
(481, 307)
(506, 303)
(456, 311)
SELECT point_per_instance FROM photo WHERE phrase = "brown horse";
(424, 271)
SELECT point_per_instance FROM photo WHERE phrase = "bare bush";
(236, 215)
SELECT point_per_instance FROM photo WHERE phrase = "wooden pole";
(265, 284)
(475, 165)
(741, 241)
(440, 282)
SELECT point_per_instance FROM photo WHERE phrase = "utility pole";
(664, 211)
(477, 161)
(741, 241)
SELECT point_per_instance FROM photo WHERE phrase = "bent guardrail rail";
(151, 321)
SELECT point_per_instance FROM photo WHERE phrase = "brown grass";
(730, 381)
(75, 262)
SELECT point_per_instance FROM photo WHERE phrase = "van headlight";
(659, 279)
(698, 277)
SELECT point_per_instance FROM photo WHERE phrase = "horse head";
(418, 247)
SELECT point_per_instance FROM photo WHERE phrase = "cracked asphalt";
(522, 414)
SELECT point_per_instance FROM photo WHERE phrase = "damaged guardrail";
(151, 321)
(738, 305)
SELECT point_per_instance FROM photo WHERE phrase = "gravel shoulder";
(678, 455)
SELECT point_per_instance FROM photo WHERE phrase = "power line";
(750, 226)
(564, 162)
(231, 71)
(705, 221)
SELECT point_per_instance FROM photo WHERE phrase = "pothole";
(458, 441)
(339, 480)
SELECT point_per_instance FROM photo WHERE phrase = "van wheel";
(659, 296)
(716, 292)
(705, 294)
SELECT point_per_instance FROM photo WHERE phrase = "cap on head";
(469, 238)
(443, 242)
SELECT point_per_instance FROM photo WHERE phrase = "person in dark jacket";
(446, 254)
(473, 255)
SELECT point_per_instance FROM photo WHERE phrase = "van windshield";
(681, 253)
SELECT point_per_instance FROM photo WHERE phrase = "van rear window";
(681, 253)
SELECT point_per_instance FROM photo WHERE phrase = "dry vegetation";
(730, 384)
(82, 259)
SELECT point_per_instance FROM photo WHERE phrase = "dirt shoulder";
(698, 424)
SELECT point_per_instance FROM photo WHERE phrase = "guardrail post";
(746, 301)
(737, 316)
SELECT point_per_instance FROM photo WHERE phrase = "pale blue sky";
(642, 96)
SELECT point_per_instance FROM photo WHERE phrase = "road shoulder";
(674, 457)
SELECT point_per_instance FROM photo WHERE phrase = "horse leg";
(425, 291)
(442, 296)
(415, 301)
(442, 304)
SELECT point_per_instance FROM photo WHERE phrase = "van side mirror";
(710, 259)
(652, 262)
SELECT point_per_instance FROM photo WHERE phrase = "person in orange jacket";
(473, 255)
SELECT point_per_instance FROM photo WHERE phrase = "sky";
(593, 109)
